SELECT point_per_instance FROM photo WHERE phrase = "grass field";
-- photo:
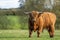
(23, 35)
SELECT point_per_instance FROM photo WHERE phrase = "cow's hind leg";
(51, 31)
(30, 33)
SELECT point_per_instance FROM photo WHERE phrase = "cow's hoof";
(29, 36)
(38, 36)
(51, 36)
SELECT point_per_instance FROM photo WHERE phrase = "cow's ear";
(39, 14)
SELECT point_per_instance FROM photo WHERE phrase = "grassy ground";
(23, 35)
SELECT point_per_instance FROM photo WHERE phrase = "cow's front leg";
(38, 33)
(30, 33)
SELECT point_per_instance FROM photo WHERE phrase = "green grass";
(23, 35)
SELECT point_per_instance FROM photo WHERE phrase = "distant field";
(23, 35)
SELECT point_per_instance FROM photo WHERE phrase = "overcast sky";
(9, 3)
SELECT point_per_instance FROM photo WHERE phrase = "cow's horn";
(40, 12)
(27, 12)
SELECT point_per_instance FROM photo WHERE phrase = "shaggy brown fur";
(40, 21)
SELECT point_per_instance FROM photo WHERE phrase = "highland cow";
(38, 21)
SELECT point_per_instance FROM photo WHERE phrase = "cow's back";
(47, 18)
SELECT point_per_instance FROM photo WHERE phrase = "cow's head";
(33, 15)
